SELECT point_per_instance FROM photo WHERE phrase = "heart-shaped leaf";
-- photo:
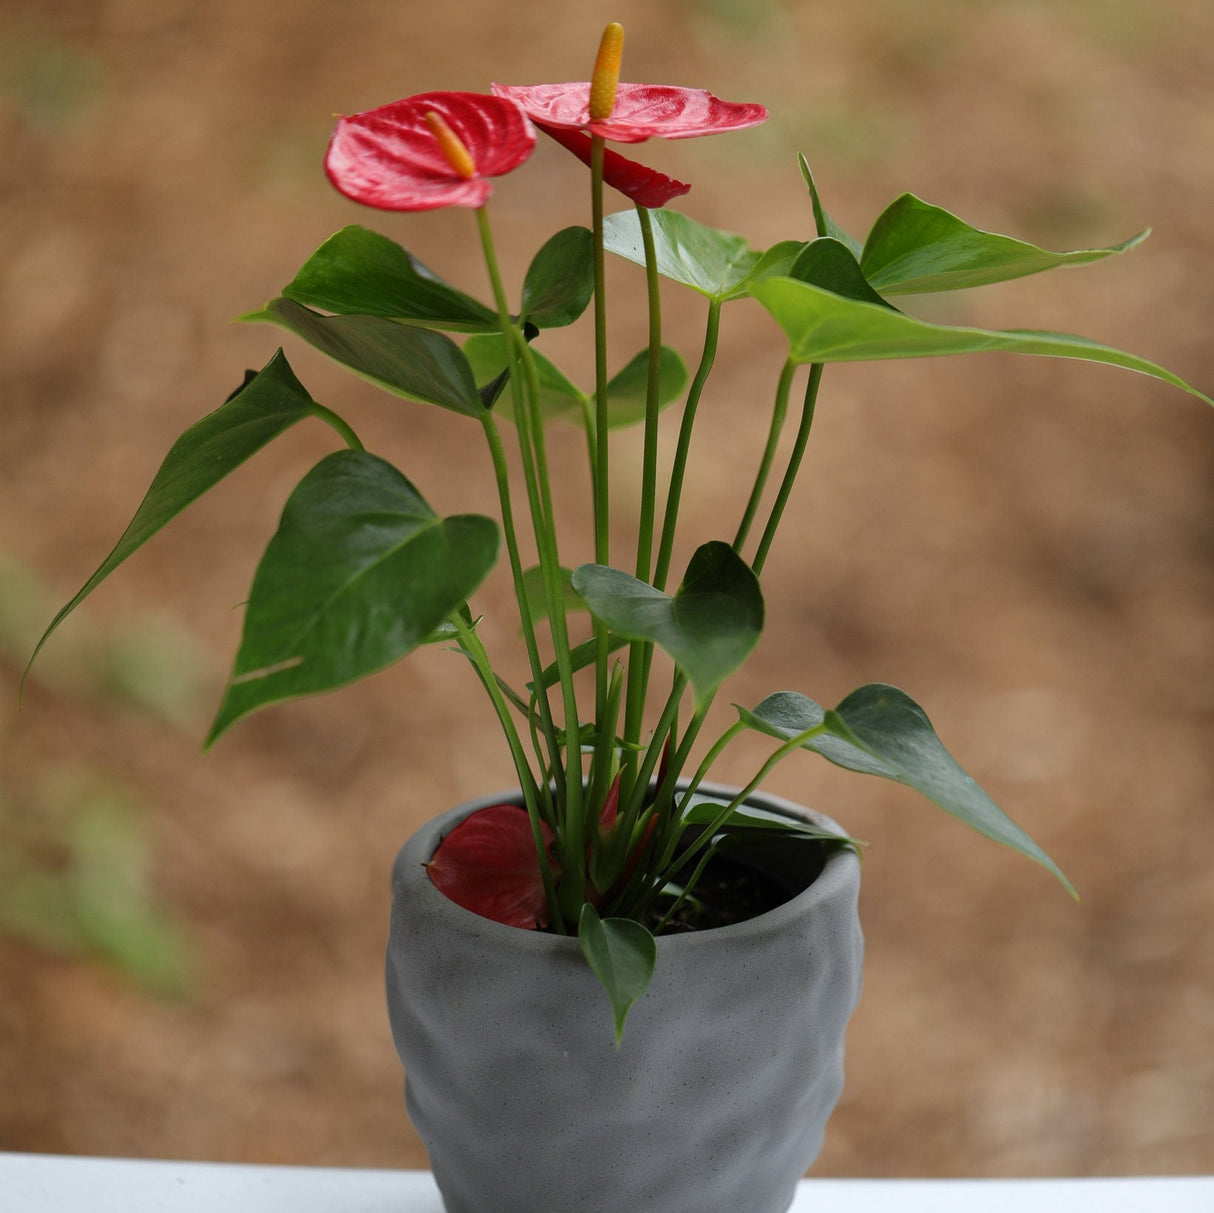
(915, 247)
(710, 624)
(560, 279)
(359, 272)
(823, 223)
(621, 954)
(824, 327)
(268, 402)
(712, 262)
(360, 571)
(880, 730)
(488, 864)
(628, 388)
(408, 360)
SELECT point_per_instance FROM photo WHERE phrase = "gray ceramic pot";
(715, 1103)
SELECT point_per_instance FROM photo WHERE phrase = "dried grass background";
(1024, 545)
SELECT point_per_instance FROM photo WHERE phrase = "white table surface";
(48, 1183)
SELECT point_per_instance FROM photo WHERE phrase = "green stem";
(779, 412)
(639, 652)
(339, 424)
(476, 651)
(602, 493)
(670, 520)
(794, 465)
(525, 391)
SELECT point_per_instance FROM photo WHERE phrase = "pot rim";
(840, 876)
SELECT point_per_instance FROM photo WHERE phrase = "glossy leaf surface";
(407, 360)
(709, 626)
(880, 730)
(560, 279)
(621, 954)
(360, 571)
(359, 272)
(488, 864)
(269, 402)
(708, 260)
(824, 327)
(915, 247)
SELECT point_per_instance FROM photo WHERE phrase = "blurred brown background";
(190, 945)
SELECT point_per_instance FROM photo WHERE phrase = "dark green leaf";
(621, 954)
(749, 819)
(915, 247)
(558, 397)
(709, 626)
(359, 272)
(627, 390)
(560, 280)
(360, 571)
(828, 264)
(269, 402)
(824, 224)
(880, 730)
(712, 262)
(824, 327)
(413, 362)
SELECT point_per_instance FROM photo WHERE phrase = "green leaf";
(709, 626)
(533, 588)
(413, 362)
(360, 571)
(486, 355)
(628, 388)
(827, 263)
(749, 819)
(824, 327)
(560, 280)
(713, 262)
(824, 224)
(621, 954)
(776, 262)
(359, 272)
(880, 730)
(269, 402)
(915, 247)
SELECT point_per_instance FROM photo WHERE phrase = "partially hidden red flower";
(488, 864)
(391, 158)
(641, 111)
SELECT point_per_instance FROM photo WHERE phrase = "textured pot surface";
(715, 1103)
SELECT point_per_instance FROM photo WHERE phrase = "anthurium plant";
(610, 837)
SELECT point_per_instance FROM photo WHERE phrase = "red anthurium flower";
(643, 185)
(428, 151)
(488, 865)
(641, 111)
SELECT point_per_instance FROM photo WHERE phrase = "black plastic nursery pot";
(715, 1102)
